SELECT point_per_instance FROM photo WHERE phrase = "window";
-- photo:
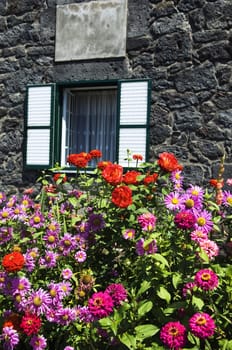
(70, 118)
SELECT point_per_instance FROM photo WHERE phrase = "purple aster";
(81, 240)
(20, 285)
(6, 234)
(96, 222)
(203, 220)
(84, 314)
(147, 221)
(67, 274)
(83, 228)
(80, 256)
(37, 220)
(18, 213)
(191, 202)
(56, 293)
(27, 202)
(30, 262)
(69, 348)
(66, 288)
(129, 233)
(3, 276)
(177, 179)
(53, 227)
(227, 198)
(12, 201)
(39, 302)
(51, 239)
(67, 243)
(5, 213)
(173, 201)
(2, 197)
(38, 342)
(143, 248)
(49, 260)
(64, 316)
(9, 337)
(196, 192)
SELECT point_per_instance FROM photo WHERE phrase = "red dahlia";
(13, 262)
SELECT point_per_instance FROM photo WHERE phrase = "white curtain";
(92, 122)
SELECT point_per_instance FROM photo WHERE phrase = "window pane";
(91, 122)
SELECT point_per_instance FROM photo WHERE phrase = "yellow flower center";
(52, 227)
(201, 321)
(51, 239)
(21, 286)
(195, 192)
(175, 200)
(5, 214)
(173, 331)
(205, 276)
(25, 202)
(37, 301)
(189, 203)
(53, 292)
(67, 243)
(36, 219)
(201, 221)
(229, 200)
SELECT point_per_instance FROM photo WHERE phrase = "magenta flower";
(100, 304)
(129, 233)
(56, 293)
(66, 274)
(20, 285)
(191, 202)
(173, 335)
(80, 256)
(39, 302)
(228, 181)
(143, 248)
(37, 220)
(9, 337)
(174, 201)
(51, 238)
(38, 342)
(202, 325)
(177, 179)
(64, 316)
(210, 248)
(49, 260)
(117, 292)
(187, 289)
(96, 222)
(203, 220)
(227, 198)
(206, 279)
(84, 314)
(147, 221)
(67, 243)
(196, 192)
(69, 348)
(6, 234)
(184, 219)
(2, 197)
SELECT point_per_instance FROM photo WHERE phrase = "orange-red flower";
(131, 177)
(80, 160)
(95, 153)
(13, 320)
(151, 178)
(168, 162)
(122, 196)
(103, 164)
(113, 174)
(13, 262)
(61, 177)
(216, 183)
(137, 157)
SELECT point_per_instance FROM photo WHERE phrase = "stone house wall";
(184, 46)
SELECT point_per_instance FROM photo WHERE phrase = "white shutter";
(134, 115)
(39, 126)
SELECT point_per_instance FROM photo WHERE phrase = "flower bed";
(121, 259)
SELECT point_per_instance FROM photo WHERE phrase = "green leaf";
(73, 201)
(199, 303)
(176, 279)
(164, 294)
(145, 308)
(161, 259)
(128, 340)
(145, 285)
(146, 331)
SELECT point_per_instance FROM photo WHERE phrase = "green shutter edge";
(51, 127)
(135, 126)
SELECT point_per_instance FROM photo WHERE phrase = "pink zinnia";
(210, 247)
(117, 292)
(100, 304)
(206, 279)
(184, 220)
(173, 335)
(202, 325)
(198, 236)
(187, 289)
(147, 221)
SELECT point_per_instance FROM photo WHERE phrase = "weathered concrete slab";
(90, 30)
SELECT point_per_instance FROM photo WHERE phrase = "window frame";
(56, 118)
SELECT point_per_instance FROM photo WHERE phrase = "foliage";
(117, 259)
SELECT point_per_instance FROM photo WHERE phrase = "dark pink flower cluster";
(185, 219)
(173, 335)
(202, 325)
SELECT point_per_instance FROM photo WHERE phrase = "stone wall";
(184, 46)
